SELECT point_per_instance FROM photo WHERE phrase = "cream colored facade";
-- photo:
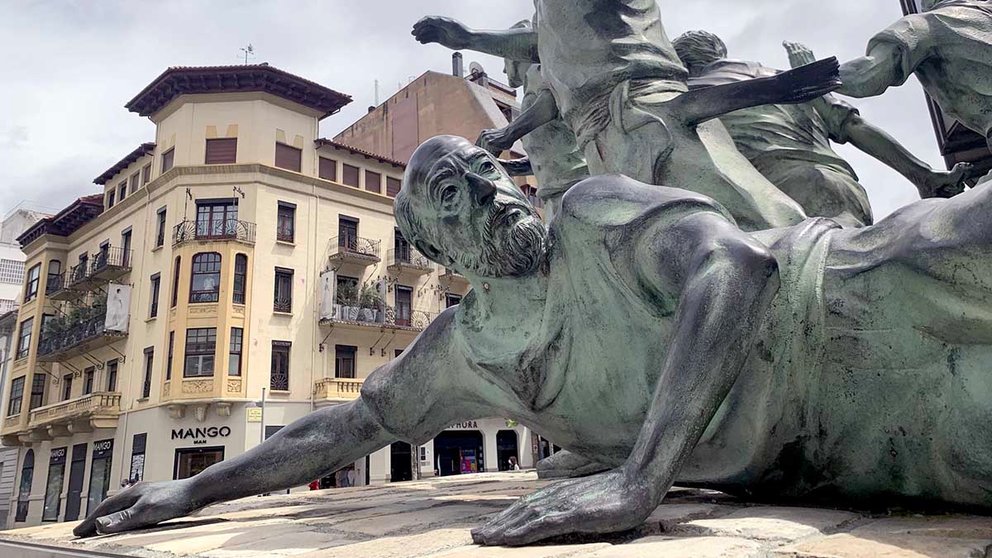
(189, 421)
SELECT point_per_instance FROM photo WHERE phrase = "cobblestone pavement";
(433, 518)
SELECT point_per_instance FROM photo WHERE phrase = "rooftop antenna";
(248, 51)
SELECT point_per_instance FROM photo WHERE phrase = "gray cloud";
(69, 67)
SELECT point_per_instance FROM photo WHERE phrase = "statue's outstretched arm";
(728, 280)
(517, 167)
(316, 445)
(795, 86)
(871, 75)
(515, 44)
(543, 110)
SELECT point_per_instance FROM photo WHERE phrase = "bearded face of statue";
(463, 211)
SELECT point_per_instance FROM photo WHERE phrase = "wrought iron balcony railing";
(409, 259)
(355, 249)
(110, 262)
(228, 230)
(86, 333)
(378, 316)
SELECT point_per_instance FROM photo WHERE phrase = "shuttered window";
(327, 169)
(289, 157)
(392, 186)
(221, 151)
(373, 182)
(167, 159)
(349, 175)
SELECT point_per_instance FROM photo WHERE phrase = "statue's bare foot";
(605, 503)
(567, 465)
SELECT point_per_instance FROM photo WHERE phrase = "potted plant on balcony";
(348, 298)
(370, 302)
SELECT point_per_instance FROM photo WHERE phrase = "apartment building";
(233, 275)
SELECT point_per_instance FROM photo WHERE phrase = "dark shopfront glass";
(191, 461)
(103, 451)
(53, 488)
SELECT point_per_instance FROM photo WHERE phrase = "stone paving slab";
(434, 518)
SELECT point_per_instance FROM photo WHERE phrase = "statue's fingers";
(125, 520)
(121, 501)
(537, 529)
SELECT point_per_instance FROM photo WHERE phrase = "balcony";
(355, 250)
(380, 317)
(451, 278)
(230, 230)
(81, 332)
(408, 260)
(336, 390)
(83, 414)
(57, 287)
(110, 263)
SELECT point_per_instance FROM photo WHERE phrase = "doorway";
(191, 461)
(400, 466)
(458, 452)
(77, 468)
(506, 447)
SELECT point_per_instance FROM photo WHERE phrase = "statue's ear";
(434, 254)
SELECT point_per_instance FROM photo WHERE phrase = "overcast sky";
(68, 67)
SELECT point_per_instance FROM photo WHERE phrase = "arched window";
(240, 278)
(205, 285)
(54, 280)
(24, 493)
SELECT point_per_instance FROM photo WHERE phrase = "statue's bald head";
(699, 49)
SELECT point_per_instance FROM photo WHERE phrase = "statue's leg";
(822, 191)
(566, 464)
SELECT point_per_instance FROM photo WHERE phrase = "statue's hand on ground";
(444, 31)
(603, 503)
(142, 505)
(799, 54)
(494, 141)
(946, 184)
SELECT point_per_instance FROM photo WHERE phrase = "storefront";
(480, 445)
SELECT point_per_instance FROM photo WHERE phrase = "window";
(168, 158)
(347, 233)
(110, 199)
(221, 151)
(126, 248)
(279, 373)
(451, 300)
(393, 186)
(121, 190)
(175, 282)
(146, 174)
(53, 488)
(34, 277)
(156, 285)
(88, 377)
(289, 157)
(170, 355)
(216, 220)
(401, 247)
(11, 271)
(240, 278)
(16, 397)
(103, 451)
(67, 387)
(54, 280)
(24, 492)
(112, 375)
(205, 284)
(344, 361)
(349, 175)
(134, 182)
(283, 297)
(347, 289)
(201, 344)
(24, 338)
(138, 444)
(191, 462)
(160, 229)
(146, 385)
(286, 222)
(234, 358)
(404, 297)
(37, 391)
(373, 182)
(327, 168)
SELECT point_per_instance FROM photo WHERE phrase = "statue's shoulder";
(615, 200)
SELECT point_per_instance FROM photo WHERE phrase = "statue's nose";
(482, 188)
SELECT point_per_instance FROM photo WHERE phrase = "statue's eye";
(448, 195)
(487, 167)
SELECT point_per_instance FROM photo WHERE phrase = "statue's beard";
(512, 244)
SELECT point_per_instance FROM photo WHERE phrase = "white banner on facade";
(118, 306)
(327, 288)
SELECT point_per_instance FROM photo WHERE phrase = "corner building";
(234, 275)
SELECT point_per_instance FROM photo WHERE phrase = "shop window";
(205, 282)
(191, 462)
(103, 452)
(137, 470)
(283, 295)
(74, 492)
(286, 222)
(156, 286)
(221, 151)
(53, 486)
(289, 157)
(240, 278)
(24, 490)
(345, 361)
(34, 278)
(24, 338)
(234, 358)
(16, 397)
(279, 371)
(201, 346)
